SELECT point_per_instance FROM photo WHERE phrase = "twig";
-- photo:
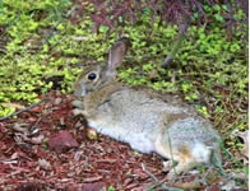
(231, 176)
(157, 182)
(38, 121)
(3, 50)
(149, 173)
(174, 50)
(51, 32)
(22, 110)
(216, 161)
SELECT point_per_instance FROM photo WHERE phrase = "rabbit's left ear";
(116, 55)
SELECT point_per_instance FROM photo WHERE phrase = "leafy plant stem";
(169, 59)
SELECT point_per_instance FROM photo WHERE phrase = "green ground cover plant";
(41, 50)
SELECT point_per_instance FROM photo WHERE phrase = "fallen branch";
(157, 182)
(22, 110)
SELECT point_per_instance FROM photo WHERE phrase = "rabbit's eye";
(92, 76)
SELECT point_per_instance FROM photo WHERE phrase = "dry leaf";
(229, 186)
(13, 105)
(244, 136)
(91, 134)
(44, 164)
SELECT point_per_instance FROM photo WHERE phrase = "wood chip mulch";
(47, 148)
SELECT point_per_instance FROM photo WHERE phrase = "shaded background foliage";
(114, 13)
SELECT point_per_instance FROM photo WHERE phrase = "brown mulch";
(47, 148)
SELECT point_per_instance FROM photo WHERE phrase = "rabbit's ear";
(116, 55)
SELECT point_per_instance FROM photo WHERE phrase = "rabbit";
(149, 121)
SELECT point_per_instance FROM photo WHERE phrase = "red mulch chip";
(62, 140)
(30, 186)
(92, 186)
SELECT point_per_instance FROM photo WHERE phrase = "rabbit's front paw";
(78, 104)
(78, 112)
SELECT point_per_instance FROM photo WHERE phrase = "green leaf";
(207, 8)
(225, 7)
(218, 17)
(195, 15)
(111, 188)
(216, 7)
(103, 28)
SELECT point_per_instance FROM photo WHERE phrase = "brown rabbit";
(147, 120)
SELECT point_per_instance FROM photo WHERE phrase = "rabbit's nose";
(84, 92)
(78, 93)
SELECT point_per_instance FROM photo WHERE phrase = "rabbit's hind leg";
(181, 155)
(184, 165)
